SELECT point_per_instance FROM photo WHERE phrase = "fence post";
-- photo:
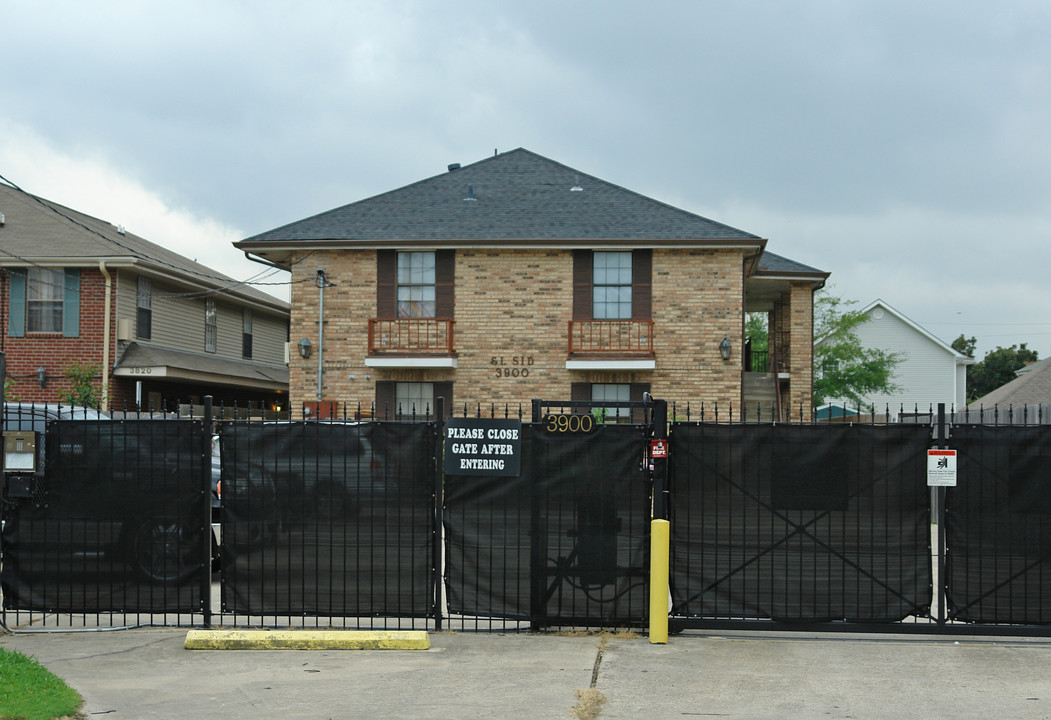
(660, 533)
(206, 478)
(439, 505)
(943, 442)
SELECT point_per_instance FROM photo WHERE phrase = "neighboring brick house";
(159, 328)
(516, 278)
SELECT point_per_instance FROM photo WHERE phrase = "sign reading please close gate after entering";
(483, 446)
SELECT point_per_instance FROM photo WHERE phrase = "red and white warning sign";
(941, 468)
(658, 448)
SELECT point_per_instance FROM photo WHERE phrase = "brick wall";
(799, 314)
(512, 313)
(52, 351)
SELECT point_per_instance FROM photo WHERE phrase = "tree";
(755, 329)
(81, 386)
(844, 369)
(965, 345)
(997, 368)
(8, 385)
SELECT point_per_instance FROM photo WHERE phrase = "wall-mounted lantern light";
(724, 348)
(41, 376)
(304, 348)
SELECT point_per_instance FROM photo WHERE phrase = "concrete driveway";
(147, 673)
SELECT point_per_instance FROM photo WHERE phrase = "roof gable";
(517, 195)
(960, 358)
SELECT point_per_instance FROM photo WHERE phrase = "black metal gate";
(800, 523)
(354, 524)
(565, 542)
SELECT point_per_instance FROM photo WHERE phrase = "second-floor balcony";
(628, 342)
(411, 342)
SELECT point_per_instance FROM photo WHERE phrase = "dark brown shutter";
(641, 284)
(442, 390)
(386, 284)
(385, 409)
(583, 273)
(581, 392)
(444, 278)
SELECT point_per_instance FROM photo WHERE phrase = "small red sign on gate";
(658, 448)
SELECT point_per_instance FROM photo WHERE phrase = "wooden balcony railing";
(611, 337)
(411, 336)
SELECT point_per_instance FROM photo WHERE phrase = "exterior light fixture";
(41, 376)
(304, 347)
(724, 348)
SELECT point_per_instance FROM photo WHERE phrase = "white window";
(44, 293)
(615, 392)
(611, 286)
(416, 280)
(412, 398)
(211, 326)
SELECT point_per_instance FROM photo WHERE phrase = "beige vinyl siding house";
(178, 321)
(132, 309)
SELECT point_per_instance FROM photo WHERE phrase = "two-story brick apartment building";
(517, 277)
(159, 328)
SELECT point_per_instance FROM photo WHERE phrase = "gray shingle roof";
(142, 355)
(1033, 387)
(773, 264)
(39, 231)
(516, 195)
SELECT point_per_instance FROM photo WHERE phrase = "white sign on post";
(941, 468)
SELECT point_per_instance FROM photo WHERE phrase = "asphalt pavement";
(148, 673)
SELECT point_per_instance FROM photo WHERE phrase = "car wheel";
(166, 550)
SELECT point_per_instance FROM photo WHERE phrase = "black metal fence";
(353, 523)
(800, 523)
(329, 520)
(104, 517)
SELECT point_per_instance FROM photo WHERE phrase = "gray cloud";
(878, 140)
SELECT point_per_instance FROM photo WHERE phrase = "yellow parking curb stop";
(307, 640)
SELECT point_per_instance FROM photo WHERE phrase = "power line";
(162, 294)
(135, 253)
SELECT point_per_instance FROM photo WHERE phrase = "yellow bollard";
(660, 542)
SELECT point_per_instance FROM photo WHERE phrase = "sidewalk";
(147, 673)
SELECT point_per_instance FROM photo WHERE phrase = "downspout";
(320, 332)
(264, 261)
(105, 335)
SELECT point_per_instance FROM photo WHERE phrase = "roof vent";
(576, 185)
(120, 229)
(2, 219)
(454, 166)
(470, 194)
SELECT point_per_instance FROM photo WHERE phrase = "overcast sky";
(901, 146)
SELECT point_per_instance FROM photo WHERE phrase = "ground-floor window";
(410, 400)
(414, 398)
(616, 392)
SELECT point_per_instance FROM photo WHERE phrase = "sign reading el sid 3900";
(483, 446)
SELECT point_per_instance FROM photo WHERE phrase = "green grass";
(28, 691)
